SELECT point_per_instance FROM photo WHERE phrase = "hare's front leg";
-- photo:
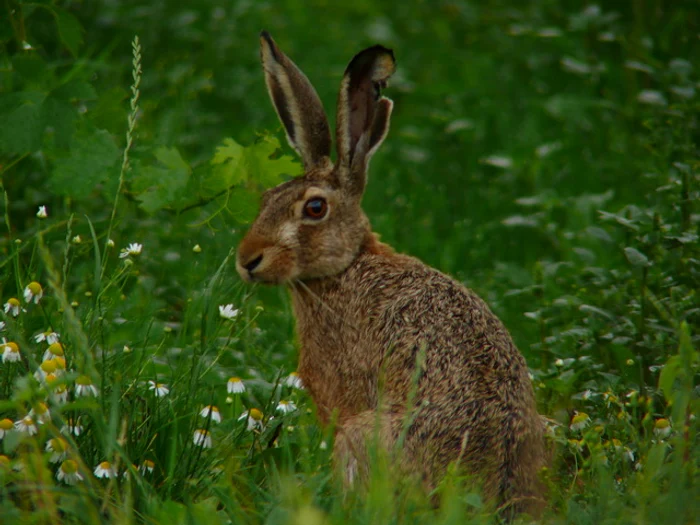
(360, 437)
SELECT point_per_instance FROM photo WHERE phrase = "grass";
(543, 153)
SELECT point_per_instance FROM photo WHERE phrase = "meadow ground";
(543, 153)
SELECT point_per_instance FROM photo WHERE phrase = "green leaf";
(636, 258)
(91, 157)
(266, 170)
(160, 187)
(22, 122)
(669, 374)
(229, 164)
(70, 30)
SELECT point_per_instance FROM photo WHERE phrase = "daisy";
(5, 426)
(54, 350)
(60, 363)
(235, 385)
(105, 470)
(49, 336)
(41, 214)
(68, 472)
(147, 466)
(40, 413)
(254, 417)
(294, 381)
(662, 428)
(60, 392)
(85, 387)
(33, 292)
(13, 306)
(160, 389)
(212, 412)
(26, 426)
(228, 312)
(47, 368)
(10, 352)
(72, 427)
(58, 448)
(579, 421)
(202, 438)
(286, 407)
(133, 249)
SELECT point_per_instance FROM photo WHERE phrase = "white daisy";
(211, 411)
(13, 306)
(2, 325)
(58, 448)
(579, 421)
(26, 425)
(33, 292)
(254, 418)
(40, 413)
(72, 427)
(294, 381)
(10, 352)
(160, 389)
(133, 249)
(68, 472)
(202, 438)
(662, 428)
(146, 467)
(105, 470)
(85, 387)
(55, 349)
(49, 336)
(235, 385)
(5, 426)
(46, 368)
(60, 392)
(228, 312)
(286, 407)
(42, 212)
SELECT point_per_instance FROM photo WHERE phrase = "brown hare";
(396, 349)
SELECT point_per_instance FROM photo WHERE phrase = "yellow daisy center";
(56, 349)
(6, 424)
(69, 466)
(34, 287)
(255, 414)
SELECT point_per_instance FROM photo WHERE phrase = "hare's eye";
(315, 208)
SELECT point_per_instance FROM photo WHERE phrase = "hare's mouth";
(269, 266)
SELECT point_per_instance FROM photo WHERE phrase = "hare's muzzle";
(246, 264)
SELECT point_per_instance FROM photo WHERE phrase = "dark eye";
(315, 208)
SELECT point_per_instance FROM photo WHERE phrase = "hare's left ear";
(363, 114)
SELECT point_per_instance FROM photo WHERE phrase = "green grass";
(544, 153)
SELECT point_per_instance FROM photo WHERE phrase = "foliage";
(545, 153)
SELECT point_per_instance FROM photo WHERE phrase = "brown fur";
(390, 345)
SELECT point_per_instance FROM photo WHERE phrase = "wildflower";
(5, 426)
(197, 248)
(662, 428)
(77, 239)
(286, 407)
(559, 362)
(126, 349)
(235, 385)
(625, 451)
(294, 381)
(10, 352)
(228, 312)
(2, 325)
(40, 413)
(160, 389)
(26, 426)
(146, 467)
(68, 472)
(323, 445)
(12, 306)
(110, 243)
(58, 448)
(42, 212)
(49, 336)
(212, 412)
(85, 387)
(105, 470)
(133, 249)
(579, 421)
(72, 427)
(33, 292)
(254, 417)
(60, 363)
(60, 392)
(202, 438)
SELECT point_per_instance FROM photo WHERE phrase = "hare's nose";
(253, 263)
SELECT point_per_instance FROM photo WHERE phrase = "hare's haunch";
(385, 340)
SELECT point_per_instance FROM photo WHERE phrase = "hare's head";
(313, 226)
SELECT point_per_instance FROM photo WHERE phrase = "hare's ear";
(297, 104)
(363, 114)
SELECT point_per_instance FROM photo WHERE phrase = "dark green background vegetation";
(544, 153)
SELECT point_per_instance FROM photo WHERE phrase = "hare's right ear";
(297, 104)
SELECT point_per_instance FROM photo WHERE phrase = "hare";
(391, 348)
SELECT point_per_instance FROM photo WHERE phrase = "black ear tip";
(267, 41)
(378, 61)
(264, 34)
